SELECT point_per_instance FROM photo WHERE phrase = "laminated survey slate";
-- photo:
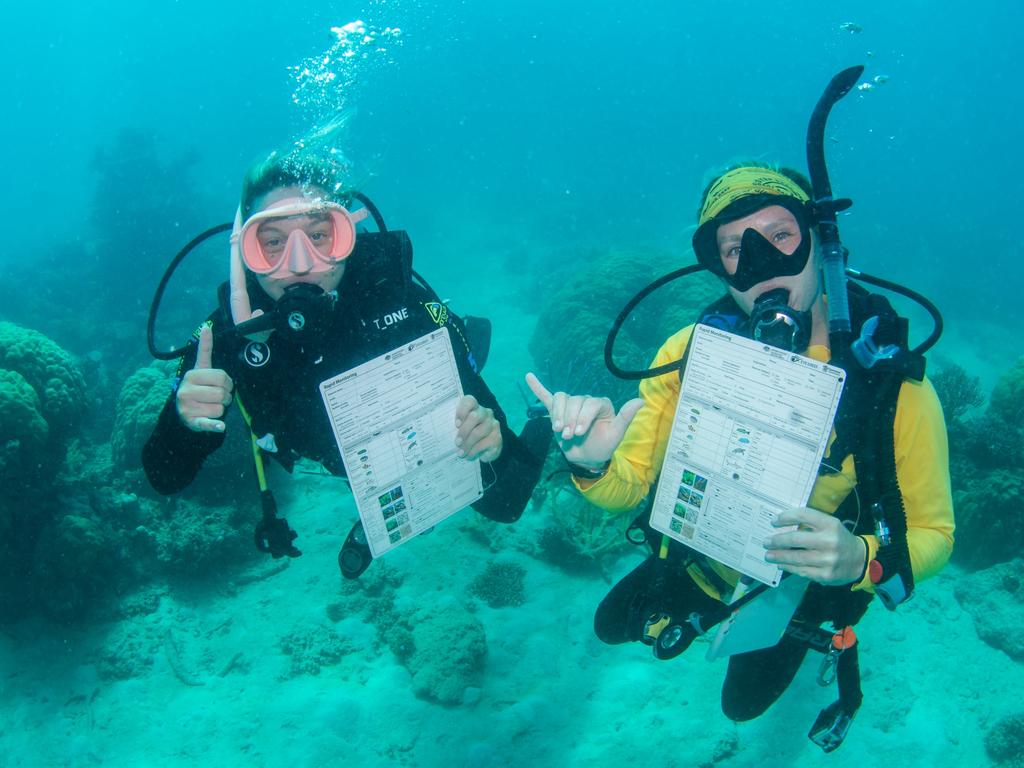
(750, 429)
(394, 421)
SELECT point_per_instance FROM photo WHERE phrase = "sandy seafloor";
(551, 693)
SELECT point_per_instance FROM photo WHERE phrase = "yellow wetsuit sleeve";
(919, 436)
(922, 469)
(637, 461)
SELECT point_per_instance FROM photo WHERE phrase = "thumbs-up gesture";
(587, 428)
(204, 391)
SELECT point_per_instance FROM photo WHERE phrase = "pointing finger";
(539, 390)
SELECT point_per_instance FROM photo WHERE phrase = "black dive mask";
(759, 260)
(772, 321)
(303, 311)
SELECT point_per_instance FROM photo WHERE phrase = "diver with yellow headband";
(880, 515)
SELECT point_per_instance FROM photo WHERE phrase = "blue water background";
(541, 126)
(510, 138)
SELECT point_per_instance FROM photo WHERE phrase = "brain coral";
(138, 405)
(568, 342)
(450, 647)
(1007, 401)
(990, 519)
(49, 370)
(21, 418)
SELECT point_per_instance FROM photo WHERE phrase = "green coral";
(581, 533)
(21, 417)
(1007, 401)
(139, 404)
(990, 519)
(958, 392)
(313, 647)
(987, 474)
(1004, 743)
(49, 370)
(994, 598)
(449, 649)
(500, 585)
(76, 562)
(197, 539)
(568, 342)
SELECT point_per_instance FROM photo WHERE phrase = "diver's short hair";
(299, 167)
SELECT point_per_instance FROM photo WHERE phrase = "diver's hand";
(478, 434)
(587, 428)
(820, 547)
(204, 391)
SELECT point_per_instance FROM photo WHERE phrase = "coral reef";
(986, 466)
(77, 559)
(444, 648)
(990, 518)
(21, 418)
(1007, 400)
(580, 534)
(50, 371)
(1004, 742)
(139, 403)
(441, 645)
(958, 392)
(995, 599)
(568, 343)
(500, 585)
(42, 401)
(312, 648)
(196, 539)
(371, 595)
(129, 652)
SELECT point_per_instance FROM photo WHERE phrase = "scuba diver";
(310, 297)
(880, 515)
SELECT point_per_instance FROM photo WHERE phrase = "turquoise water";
(517, 144)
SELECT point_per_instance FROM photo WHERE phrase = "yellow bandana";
(743, 182)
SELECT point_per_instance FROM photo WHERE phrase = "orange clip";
(844, 638)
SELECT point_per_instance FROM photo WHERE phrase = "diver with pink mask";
(312, 295)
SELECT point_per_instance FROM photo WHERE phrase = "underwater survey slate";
(394, 420)
(750, 429)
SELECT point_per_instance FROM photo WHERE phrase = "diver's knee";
(609, 626)
(742, 707)
(740, 712)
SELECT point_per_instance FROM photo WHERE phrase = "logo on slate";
(256, 354)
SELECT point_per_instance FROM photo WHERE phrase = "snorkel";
(833, 255)
(241, 307)
(844, 349)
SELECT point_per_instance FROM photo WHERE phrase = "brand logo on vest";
(438, 312)
(256, 354)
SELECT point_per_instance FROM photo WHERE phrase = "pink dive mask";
(299, 236)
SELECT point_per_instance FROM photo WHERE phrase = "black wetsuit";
(278, 383)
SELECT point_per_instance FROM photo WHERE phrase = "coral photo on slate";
(355, 385)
